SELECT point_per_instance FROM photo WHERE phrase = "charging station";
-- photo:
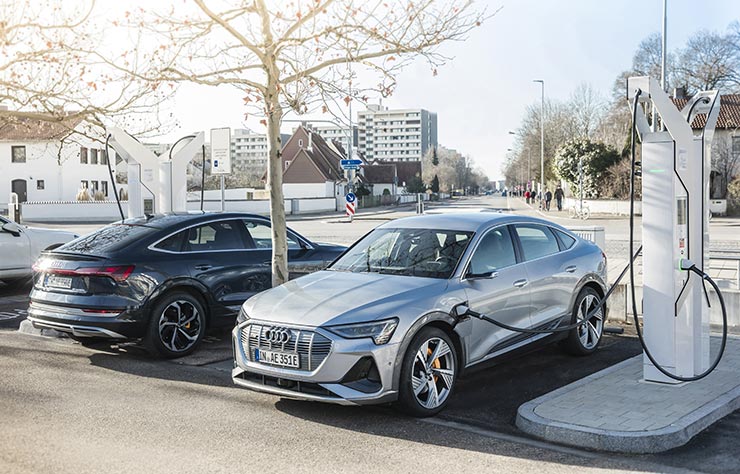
(155, 184)
(675, 228)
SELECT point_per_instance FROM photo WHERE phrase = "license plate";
(56, 281)
(285, 359)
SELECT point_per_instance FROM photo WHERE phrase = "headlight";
(242, 317)
(380, 331)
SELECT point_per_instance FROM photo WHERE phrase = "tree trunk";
(275, 181)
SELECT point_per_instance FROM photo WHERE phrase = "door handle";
(571, 268)
(521, 283)
(203, 266)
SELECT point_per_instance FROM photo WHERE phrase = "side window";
(567, 240)
(222, 235)
(495, 251)
(537, 241)
(172, 243)
(261, 235)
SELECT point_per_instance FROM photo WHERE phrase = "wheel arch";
(192, 287)
(592, 282)
(440, 320)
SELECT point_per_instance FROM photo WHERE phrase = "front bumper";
(327, 381)
(123, 325)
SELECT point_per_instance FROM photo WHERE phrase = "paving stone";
(637, 417)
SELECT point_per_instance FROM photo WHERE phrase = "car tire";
(176, 325)
(585, 339)
(426, 381)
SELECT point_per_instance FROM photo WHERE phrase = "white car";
(21, 245)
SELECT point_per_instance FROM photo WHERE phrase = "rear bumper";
(123, 325)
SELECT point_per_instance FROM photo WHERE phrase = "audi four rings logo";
(277, 335)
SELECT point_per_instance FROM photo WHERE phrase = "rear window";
(108, 239)
(567, 240)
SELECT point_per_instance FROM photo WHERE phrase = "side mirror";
(12, 228)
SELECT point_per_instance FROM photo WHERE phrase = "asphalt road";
(66, 408)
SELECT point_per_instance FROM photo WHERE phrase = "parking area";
(186, 414)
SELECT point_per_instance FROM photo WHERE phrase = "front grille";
(312, 347)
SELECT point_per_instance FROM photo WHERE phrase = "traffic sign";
(350, 197)
(350, 209)
(350, 164)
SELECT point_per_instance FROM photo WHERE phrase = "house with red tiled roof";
(311, 166)
(391, 175)
(49, 160)
(726, 141)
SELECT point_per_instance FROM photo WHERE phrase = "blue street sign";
(350, 197)
(350, 164)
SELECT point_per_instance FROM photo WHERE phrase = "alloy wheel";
(179, 326)
(433, 373)
(590, 332)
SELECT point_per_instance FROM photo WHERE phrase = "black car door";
(303, 258)
(220, 255)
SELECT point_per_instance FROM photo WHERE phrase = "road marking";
(17, 313)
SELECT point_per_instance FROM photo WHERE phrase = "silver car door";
(15, 251)
(550, 273)
(496, 284)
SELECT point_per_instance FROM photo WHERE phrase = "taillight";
(117, 272)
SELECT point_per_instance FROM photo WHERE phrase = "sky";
(482, 93)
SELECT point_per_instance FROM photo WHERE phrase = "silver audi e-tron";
(382, 323)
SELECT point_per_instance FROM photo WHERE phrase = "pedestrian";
(548, 199)
(527, 196)
(559, 197)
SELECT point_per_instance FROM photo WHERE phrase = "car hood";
(330, 297)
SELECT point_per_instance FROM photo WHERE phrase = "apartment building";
(249, 150)
(396, 135)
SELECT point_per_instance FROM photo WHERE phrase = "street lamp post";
(542, 135)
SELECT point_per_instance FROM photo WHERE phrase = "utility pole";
(542, 135)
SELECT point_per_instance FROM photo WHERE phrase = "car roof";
(162, 221)
(466, 221)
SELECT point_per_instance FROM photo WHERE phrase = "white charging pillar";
(155, 184)
(675, 197)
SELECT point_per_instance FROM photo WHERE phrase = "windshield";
(412, 252)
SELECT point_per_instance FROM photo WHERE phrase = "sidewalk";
(639, 416)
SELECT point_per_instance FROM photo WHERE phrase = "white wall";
(308, 190)
(379, 187)
(72, 211)
(315, 205)
(61, 183)
(604, 206)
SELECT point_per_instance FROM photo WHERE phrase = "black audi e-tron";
(163, 279)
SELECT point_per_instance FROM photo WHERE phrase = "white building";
(338, 134)
(396, 135)
(38, 164)
(249, 150)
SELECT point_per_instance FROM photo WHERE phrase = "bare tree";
(296, 56)
(710, 61)
(587, 110)
(48, 74)
(725, 165)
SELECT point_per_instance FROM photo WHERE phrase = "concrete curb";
(641, 442)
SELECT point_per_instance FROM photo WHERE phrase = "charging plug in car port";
(363, 376)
